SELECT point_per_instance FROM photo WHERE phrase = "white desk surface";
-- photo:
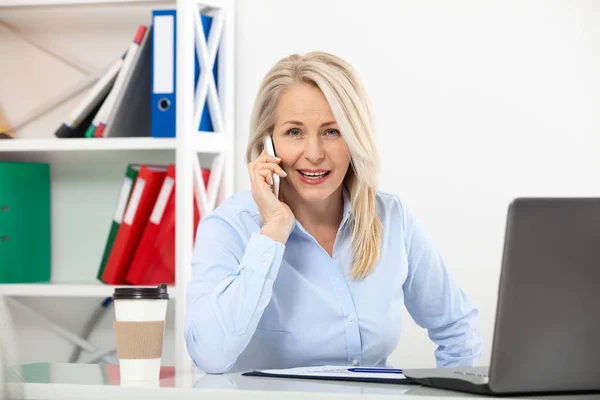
(101, 381)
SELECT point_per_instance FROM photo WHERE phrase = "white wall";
(476, 102)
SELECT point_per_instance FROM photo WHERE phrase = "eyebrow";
(301, 124)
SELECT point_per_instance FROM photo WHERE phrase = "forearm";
(459, 343)
(437, 303)
(222, 317)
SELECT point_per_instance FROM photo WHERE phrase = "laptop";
(547, 329)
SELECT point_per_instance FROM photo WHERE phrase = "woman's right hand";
(277, 216)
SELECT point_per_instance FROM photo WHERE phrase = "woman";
(320, 275)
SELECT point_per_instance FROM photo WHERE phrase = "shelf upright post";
(184, 152)
(226, 90)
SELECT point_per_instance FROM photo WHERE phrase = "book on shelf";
(82, 115)
(206, 123)
(154, 259)
(130, 113)
(25, 241)
(124, 80)
(145, 190)
(130, 176)
(136, 97)
(140, 247)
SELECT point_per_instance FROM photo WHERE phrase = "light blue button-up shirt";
(254, 303)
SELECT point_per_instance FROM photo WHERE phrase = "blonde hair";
(344, 92)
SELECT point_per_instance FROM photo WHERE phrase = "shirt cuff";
(263, 255)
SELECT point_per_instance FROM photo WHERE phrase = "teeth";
(313, 174)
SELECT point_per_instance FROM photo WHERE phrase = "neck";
(329, 211)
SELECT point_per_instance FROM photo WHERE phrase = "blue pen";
(376, 370)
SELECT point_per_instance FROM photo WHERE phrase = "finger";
(259, 162)
(265, 174)
(274, 168)
(257, 159)
(268, 158)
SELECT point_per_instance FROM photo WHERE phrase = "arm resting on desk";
(231, 287)
(435, 301)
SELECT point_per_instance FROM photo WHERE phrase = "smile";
(313, 177)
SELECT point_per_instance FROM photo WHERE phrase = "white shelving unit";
(87, 173)
(203, 142)
(62, 290)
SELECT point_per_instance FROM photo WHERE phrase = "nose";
(313, 149)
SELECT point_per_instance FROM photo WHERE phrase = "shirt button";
(351, 319)
(354, 362)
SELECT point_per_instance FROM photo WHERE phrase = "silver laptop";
(547, 329)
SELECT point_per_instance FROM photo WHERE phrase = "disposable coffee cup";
(139, 328)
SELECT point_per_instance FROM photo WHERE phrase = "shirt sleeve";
(436, 303)
(231, 286)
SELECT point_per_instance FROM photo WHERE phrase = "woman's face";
(307, 139)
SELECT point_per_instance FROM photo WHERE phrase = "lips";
(313, 177)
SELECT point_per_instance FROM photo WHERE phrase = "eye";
(294, 132)
(332, 132)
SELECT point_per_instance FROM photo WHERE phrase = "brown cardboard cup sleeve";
(139, 339)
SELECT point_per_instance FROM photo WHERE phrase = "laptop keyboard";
(481, 372)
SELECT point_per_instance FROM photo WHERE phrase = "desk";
(95, 381)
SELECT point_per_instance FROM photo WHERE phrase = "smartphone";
(268, 143)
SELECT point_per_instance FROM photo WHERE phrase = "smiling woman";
(304, 104)
(319, 275)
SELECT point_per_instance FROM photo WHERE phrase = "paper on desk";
(331, 371)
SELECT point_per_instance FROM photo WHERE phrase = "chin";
(315, 194)
(311, 197)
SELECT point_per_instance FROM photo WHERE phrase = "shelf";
(84, 144)
(37, 3)
(63, 290)
(203, 142)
